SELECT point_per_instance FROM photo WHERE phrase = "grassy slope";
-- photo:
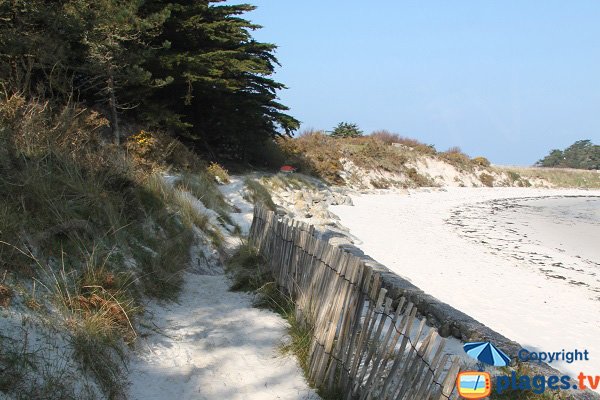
(87, 232)
(559, 177)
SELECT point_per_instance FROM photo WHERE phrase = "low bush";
(159, 151)
(369, 153)
(457, 158)
(218, 172)
(486, 179)
(419, 180)
(414, 144)
(315, 153)
(481, 161)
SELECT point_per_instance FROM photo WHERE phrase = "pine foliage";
(192, 68)
(582, 154)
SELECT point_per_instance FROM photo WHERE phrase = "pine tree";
(221, 93)
(115, 40)
(192, 67)
(346, 130)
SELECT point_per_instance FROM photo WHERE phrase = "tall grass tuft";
(257, 193)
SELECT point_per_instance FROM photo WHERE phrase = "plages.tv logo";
(474, 385)
(478, 384)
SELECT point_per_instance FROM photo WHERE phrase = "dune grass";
(558, 177)
(258, 193)
(89, 230)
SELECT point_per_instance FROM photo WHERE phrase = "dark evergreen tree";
(191, 67)
(220, 92)
(115, 40)
(582, 154)
(346, 129)
(36, 49)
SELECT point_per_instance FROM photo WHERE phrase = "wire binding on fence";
(359, 347)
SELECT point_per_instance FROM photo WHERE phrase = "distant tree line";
(190, 67)
(582, 154)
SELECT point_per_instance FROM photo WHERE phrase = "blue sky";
(506, 79)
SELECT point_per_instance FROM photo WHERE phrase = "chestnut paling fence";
(361, 346)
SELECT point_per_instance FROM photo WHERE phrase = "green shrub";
(346, 130)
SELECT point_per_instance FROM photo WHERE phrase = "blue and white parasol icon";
(487, 353)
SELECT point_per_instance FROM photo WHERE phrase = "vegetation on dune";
(87, 230)
(100, 101)
(315, 153)
(321, 155)
(559, 177)
(258, 194)
(410, 143)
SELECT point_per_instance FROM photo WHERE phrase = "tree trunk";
(112, 102)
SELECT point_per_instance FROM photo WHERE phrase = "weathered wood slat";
(359, 347)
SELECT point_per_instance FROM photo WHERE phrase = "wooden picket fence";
(361, 347)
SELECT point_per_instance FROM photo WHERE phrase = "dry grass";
(315, 153)
(92, 227)
(258, 193)
(486, 179)
(318, 154)
(457, 158)
(558, 177)
(414, 144)
(294, 181)
(370, 153)
(220, 174)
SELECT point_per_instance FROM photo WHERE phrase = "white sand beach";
(525, 262)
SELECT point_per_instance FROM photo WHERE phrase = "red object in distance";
(287, 168)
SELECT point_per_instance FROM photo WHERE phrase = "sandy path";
(212, 344)
(409, 235)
